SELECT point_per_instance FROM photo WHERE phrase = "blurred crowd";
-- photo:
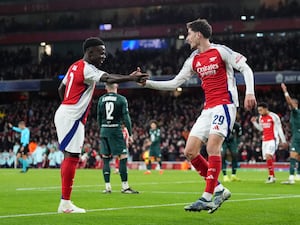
(144, 16)
(175, 114)
(276, 53)
(267, 53)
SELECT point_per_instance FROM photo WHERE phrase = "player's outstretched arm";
(136, 76)
(184, 75)
(288, 99)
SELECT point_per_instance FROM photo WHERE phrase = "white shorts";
(217, 120)
(268, 147)
(70, 133)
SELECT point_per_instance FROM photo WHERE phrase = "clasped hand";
(138, 76)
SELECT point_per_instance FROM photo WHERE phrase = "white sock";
(63, 201)
(107, 186)
(157, 166)
(219, 188)
(207, 196)
(125, 185)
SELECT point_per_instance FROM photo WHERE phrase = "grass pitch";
(33, 198)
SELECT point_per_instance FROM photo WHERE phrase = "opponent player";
(112, 112)
(76, 90)
(127, 140)
(295, 142)
(231, 144)
(270, 126)
(214, 65)
(154, 149)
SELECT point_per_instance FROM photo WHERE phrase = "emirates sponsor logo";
(266, 125)
(210, 69)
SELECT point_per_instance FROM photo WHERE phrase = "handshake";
(139, 77)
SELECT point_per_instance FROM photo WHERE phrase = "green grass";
(33, 198)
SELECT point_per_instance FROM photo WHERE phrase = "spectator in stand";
(59, 157)
(16, 147)
(39, 155)
(11, 159)
(3, 159)
(51, 158)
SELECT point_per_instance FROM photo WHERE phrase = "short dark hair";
(90, 42)
(202, 26)
(22, 122)
(263, 105)
(154, 121)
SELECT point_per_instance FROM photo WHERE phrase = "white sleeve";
(248, 77)
(238, 62)
(185, 74)
(257, 126)
(91, 73)
(278, 128)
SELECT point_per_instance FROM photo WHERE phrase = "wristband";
(286, 94)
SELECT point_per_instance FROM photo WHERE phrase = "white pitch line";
(99, 185)
(145, 206)
(241, 194)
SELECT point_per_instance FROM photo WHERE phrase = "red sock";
(200, 164)
(270, 167)
(67, 171)
(214, 168)
(117, 163)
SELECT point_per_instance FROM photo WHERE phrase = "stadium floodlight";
(48, 49)
(259, 34)
(106, 26)
(243, 18)
(282, 34)
(242, 35)
(181, 37)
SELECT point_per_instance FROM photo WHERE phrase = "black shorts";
(25, 150)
